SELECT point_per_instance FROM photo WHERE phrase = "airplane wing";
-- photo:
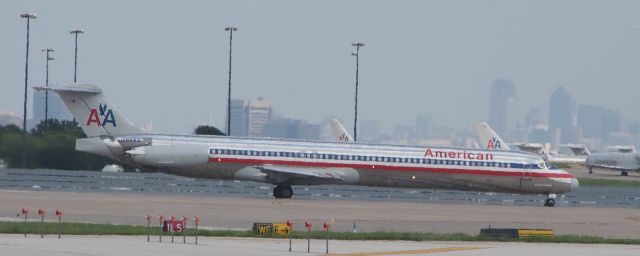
(302, 176)
(610, 167)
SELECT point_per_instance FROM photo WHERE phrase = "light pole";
(27, 16)
(75, 62)
(355, 121)
(46, 93)
(230, 29)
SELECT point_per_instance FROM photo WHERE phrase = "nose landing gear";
(551, 200)
(282, 191)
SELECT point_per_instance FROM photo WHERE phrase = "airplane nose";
(574, 183)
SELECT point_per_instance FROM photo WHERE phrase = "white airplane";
(494, 141)
(614, 161)
(285, 163)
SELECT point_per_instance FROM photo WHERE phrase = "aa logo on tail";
(493, 143)
(343, 137)
(103, 118)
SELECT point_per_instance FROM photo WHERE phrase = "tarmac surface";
(241, 213)
(164, 184)
(137, 245)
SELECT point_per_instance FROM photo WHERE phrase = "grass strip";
(608, 183)
(33, 228)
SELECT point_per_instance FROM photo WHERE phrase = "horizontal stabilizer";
(73, 88)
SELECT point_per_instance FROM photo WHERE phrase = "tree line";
(51, 145)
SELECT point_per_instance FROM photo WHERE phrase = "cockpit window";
(551, 166)
(543, 165)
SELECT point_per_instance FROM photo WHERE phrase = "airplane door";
(526, 182)
(526, 173)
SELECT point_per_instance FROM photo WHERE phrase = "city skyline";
(152, 50)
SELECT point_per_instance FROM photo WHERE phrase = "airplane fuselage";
(363, 164)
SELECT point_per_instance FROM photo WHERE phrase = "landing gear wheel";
(590, 171)
(277, 192)
(287, 192)
(283, 191)
(550, 202)
(624, 173)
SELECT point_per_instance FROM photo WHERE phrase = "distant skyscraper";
(57, 109)
(562, 116)
(502, 107)
(292, 129)
(590, 120)
(258, 114)
(611, 122)
(238, 117)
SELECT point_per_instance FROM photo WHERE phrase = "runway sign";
(524, 233)
(173, 226)
(517, 233)
(271, 228)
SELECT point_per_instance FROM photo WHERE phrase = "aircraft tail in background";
(339, 132)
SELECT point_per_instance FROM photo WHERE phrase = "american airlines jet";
(286, 163)
(494, 141)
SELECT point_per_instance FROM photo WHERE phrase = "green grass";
(129, 230)
(562, 165)
(608, 183)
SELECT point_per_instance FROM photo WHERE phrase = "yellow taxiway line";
(422, 251)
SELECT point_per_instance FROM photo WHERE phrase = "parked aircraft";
(285, 163)
(614, 161)
(493, 141)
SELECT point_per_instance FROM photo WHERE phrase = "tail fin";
(339, 131)
(94, 112)
(488, 136)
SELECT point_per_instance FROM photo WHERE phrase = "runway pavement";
(137, 245)
(241, 213)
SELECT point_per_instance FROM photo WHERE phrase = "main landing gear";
(551, 200)
(282, 191)
(624, 173)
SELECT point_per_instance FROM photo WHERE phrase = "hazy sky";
(166, 61)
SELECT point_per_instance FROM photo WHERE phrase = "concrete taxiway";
(137, 245)
(241, 213)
